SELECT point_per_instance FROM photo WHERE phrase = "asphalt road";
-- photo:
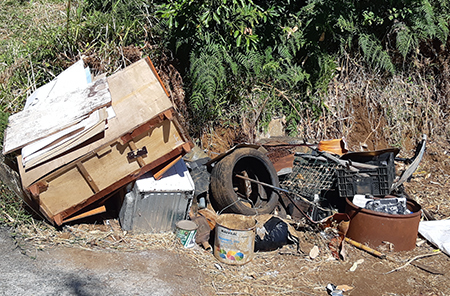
(74, 271)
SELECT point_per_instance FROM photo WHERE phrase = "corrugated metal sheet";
(157, 205)
(159, 212)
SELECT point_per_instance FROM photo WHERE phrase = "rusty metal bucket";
(373, 228)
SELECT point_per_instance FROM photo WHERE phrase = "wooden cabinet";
(144, 135)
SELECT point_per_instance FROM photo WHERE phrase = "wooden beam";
(87, 177)
(149, 62)
(58, 219)
(92, 212)
(103, 151)
(168, 114)
(37, 188)
(164, 169)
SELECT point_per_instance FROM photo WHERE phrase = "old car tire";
(234, 195)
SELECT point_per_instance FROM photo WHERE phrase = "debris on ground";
(437, 232)
(122, 153)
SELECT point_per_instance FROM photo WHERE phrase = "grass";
(39, 39)
(28, 30)
(12, 209)
(393, 112)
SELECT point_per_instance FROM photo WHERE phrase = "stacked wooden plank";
(76, 158)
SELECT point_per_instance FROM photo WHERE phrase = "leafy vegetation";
(233, 54)
(285, 48)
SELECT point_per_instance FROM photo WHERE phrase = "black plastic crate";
(377, 182)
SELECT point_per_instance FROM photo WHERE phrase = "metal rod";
(280, 189)
(262, 183)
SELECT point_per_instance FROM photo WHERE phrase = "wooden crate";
(145, 135)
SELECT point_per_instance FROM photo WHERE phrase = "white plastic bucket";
(186, 231)
(234, 241)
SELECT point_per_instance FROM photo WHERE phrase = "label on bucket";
(186, 231)
(234, 247)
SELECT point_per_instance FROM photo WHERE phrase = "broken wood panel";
(137, 97)
(67, 145)
(137, 103)
(54, 115)
(104, 171)
(63, 192)
(77, 209)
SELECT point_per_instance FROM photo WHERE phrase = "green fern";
(405, 40)
(208, 76)
(374, 54)
(420, 22)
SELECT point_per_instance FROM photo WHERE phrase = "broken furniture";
(157, 205)
(142, 134)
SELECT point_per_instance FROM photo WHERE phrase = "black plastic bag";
(276, 236)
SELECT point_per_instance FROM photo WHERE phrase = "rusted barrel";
(373, 228)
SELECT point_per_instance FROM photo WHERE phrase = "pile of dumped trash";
(82, 142)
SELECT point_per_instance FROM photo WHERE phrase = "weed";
(13, 211)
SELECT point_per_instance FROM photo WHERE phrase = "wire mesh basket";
(311, 175)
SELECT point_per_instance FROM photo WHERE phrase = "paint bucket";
(234, 241)
(186, 231)
(374, 228)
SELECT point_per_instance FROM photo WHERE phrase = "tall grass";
(378, 111)
(39, 39)
(12, 208)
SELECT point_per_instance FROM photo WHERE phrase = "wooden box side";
(103, 171)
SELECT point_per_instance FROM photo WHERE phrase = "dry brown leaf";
(344, 288)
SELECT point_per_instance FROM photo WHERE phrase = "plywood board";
(64, 140)
(137, 96)
(54, 114)
(64, 192)
(71, 79)
(110, 167)
(79, 140)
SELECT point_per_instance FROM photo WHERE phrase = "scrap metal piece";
(137, 153)
(420, 150)
(310, 175)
